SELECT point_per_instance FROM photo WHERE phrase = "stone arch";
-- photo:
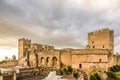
(54, 61)
(48, 61)
(42, 60)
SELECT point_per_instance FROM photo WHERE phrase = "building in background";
(7, 63)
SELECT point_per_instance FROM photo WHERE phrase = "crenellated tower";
(23, 46)
(101, 39)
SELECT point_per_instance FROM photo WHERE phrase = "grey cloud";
(11, 32)
(51, 22)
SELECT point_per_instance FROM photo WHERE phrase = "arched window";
(48, 61)
(42, 61)
(54, 61)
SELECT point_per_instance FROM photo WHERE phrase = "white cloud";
(8, 53)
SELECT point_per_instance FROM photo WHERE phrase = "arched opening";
(42, 60)
(54, 61)
(48, 61)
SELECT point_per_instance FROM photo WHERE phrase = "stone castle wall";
(66, 57)
(88, 58)
(35, 55)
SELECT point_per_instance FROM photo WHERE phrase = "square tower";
(101, 39)
(23, 46)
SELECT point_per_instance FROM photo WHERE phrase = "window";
(103, 46)
(92, 42)
(100, 60)
(93, 47)
(80, 65)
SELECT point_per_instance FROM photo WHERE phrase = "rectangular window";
(80, 65)
(93, 47)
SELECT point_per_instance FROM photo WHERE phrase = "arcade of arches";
(48, 61)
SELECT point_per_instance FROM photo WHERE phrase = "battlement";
(23, 39)
(27, 44)
(44, 47)
(100, 31)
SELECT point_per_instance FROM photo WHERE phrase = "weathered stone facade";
(98, 53)
(91, 58)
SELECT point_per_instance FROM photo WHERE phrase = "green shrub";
(92, 77)
(115, 68)
(68, 70)
(76, 75)
(97, 76)
(112, 75)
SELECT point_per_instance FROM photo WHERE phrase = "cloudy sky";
(61, 23)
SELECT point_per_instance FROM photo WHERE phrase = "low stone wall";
(25, 73)
(8, 77)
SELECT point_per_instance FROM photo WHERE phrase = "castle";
(98, 53)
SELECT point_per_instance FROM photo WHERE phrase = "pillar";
(14, 75)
